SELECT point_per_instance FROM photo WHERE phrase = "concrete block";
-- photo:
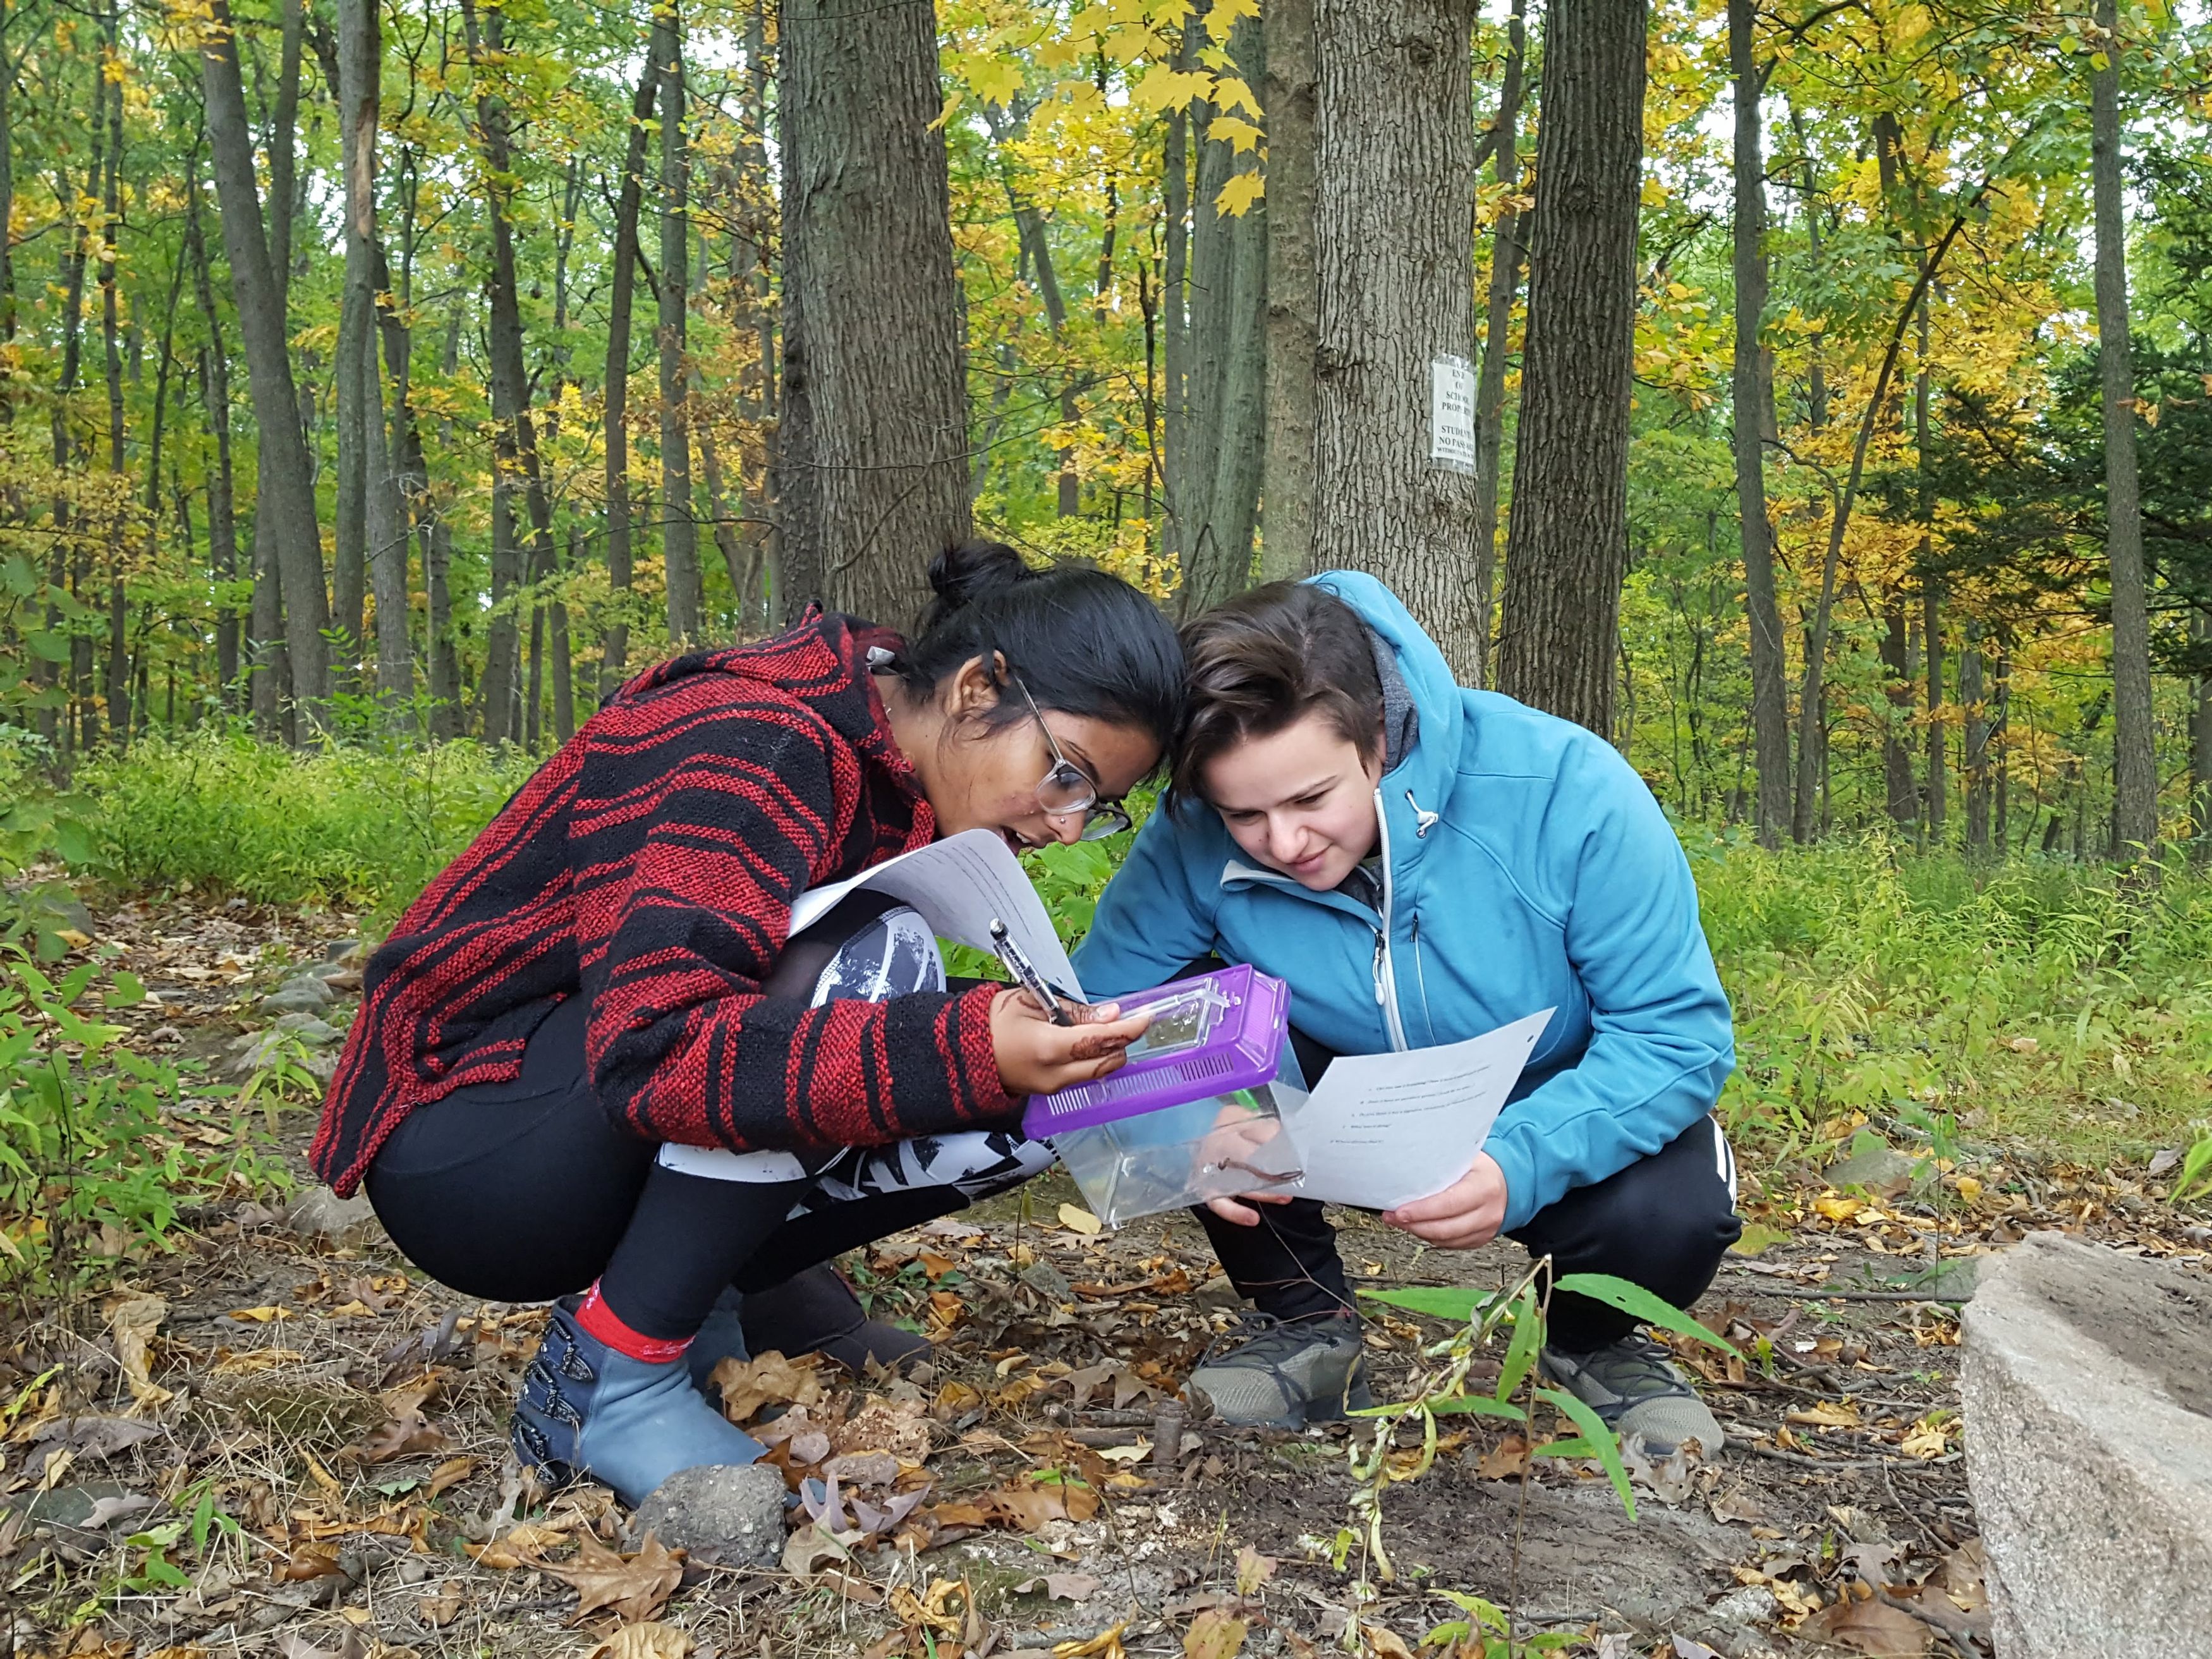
(2087, 1392)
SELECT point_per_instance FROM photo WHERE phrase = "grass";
(2052, 1001)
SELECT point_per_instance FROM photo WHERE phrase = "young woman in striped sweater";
(591, 1063)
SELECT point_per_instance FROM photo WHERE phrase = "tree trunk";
(614, 646)
(284, 516)
(360, 403)
(283, 144)
(117, 684)
(1567, 550)
(1394, 244)
(1287, 472)
(1931, 604)
(1976, 757)
(1770, 697)
(215, 398)
(2134, 762)
(2200, 741)
(1903, 797)
(448, 713)
(515, 436)
(873, 462)
(1224, 375)
(679, 536)
(1508, 253)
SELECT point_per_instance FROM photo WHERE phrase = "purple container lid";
(1241, 1048)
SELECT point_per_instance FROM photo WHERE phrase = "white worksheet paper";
(960, 885)
(1382, 1130)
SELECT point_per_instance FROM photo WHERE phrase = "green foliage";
(89, 1138)
(365, 826)
(2041, 997)
(2195, 1180)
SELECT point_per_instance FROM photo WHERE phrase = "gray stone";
(2087, 1395)
(303, 993)
(340, 951)
(1047, 1280)
(1882, 1170)
(723, 1515)
(323, 1214)
(314, 1032)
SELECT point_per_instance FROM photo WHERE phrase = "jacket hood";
(1429, 764)
(823, 662)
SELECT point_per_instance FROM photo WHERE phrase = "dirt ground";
(310, 1459)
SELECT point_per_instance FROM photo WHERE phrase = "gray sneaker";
(1638, 1389)
(1289, 1375)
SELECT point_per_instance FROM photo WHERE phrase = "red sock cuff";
(603, 1323)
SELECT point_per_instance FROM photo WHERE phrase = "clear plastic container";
(1177, 1156)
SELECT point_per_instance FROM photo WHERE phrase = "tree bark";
(614, 644)
(515, 444)
(1287, 472)
(283, 143)
(2134, 762)
(215, 398)
(1567, 549)
(2200, 742)
(1224, 375)
(874, 460)
(1393, 245)
(1508, 253)
(1899, 785)
(1931, 604)
(284, 517)
(117, 680)
(1976, 757)
(359, 403)
(679, 535)
(1770, 697)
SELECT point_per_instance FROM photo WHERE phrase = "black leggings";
(525, 1191)
(1664, 1223)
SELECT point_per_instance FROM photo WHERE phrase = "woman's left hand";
(1465, 1216)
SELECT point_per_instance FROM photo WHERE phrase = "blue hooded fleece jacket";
(1526, 865)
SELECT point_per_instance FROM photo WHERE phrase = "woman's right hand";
(1037, 1057)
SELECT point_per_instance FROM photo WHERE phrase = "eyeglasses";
(1067, 788)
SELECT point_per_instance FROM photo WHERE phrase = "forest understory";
(273, 1436)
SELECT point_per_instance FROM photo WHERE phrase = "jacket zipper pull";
(1382, 945)
(1424, 820)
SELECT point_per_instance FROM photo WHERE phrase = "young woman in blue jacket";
(1422, 863)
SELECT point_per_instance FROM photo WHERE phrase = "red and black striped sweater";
(651, 865)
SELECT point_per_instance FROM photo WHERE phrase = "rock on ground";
(323, 1214)
(723, 1515)
(2087, 1387)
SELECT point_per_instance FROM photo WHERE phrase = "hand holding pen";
(1044, 1043)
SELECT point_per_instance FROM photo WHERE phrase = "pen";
(1017, 964)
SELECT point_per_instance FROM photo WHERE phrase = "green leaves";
(1595, 1441)
(1636, 1300)
(1437, 1301)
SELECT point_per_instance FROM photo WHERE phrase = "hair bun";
(968, 571)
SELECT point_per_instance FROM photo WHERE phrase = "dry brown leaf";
(1077, 1219)
(1253, 1570)
(1030, 1504)
(808, 1548)
(748, 1385)
(1506, 1461)
(131, 1323)
(1963, 1576)
(1872, 1627)
(1827, 1414)
(449, 1474)
(1738, 1503)
(437, 1610)
(649, 1640)
(633, 1587)
(1214, 1635)
(518, 1546)
(898, 1426)
(408, 1435)
(1061, 1586)
(1107, 1644)
(312, 1561)
(1385, 1643)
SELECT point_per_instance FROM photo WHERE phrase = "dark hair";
(1265, 661)
(1082, 641)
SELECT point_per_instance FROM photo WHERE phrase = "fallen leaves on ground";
(1061, 1586)
(131, 1322)
(633, 1587)
(1214, 1635)
(1867, 1625)
(649, 1640)
(1107, 1644)
(749, 1386)
(1077, 1219)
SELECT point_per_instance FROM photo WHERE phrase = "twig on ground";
(1801, 1461)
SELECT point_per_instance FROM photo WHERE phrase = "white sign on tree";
(1451, 412)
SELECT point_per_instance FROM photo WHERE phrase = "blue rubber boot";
(587, 1413)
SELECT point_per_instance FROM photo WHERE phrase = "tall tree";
(1750, 390)
(285, 514)
(614, 647)
(679, 534)
(2134, 764)
(1286, 488)
(1394, 462)
(1508, 253)
(874, 461)
(215, 399)
(1214, 472)
(1567, 549)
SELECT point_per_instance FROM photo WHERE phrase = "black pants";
(1664, 1223)
(525, 1191)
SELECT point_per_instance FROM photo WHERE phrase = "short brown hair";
(1265, 661)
